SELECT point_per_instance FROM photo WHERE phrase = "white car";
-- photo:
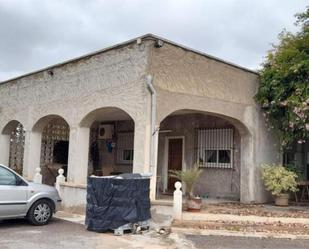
(22, 199)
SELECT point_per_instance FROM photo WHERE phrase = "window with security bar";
(215, 148)
(125, 148)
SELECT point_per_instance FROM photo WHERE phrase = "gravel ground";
(220, 242)
(261, 227)
(236, 208)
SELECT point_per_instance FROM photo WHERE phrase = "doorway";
(175, 160)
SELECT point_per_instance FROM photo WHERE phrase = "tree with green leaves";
(284, 89)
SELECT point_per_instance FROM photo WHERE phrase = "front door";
(174, 159)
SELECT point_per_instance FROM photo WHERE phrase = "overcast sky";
(38, 33)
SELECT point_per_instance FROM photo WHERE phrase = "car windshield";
(7, 177)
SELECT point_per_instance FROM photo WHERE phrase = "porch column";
(141, 148)
(154, 162)
(78, 155)
(4, 149)
(143, 162)
(247, 181)
(32, 153)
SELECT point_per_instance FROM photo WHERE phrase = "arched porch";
(110, 142)
(219, 144)
(12, 145)
(49, 146)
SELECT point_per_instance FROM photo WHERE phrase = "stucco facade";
(104, 85)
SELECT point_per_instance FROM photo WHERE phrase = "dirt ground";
(274, 227)
(234, 208)
(292, 211)
(232, 242)
(59, 234)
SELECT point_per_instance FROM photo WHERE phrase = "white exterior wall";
(5, 149)
(189, 81)
(115, 78)
(73, 197)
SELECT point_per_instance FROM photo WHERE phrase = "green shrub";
(278, 179)
(299, 172)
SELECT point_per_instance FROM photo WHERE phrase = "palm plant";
(189, 177)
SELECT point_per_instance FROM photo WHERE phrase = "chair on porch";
(303, 191)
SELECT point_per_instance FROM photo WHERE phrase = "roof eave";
(125, 43)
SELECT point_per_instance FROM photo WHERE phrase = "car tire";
(40, 212)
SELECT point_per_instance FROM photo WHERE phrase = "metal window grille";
(52, 133)
(17, 143)
(125, 147)
(215, 148)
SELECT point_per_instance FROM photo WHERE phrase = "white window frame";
(215, 140)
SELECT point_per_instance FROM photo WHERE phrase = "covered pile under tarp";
(115, 201)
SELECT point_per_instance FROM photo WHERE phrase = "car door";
(13, 194)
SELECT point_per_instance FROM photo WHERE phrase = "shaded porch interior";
(111, 142)
(54, 147)
(296, 158)
(188, 137)
(297, 155)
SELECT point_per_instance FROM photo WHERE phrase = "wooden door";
(174, 159)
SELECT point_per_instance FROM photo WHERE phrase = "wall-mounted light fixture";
(159, 43)
(50, 72)
(139, 41)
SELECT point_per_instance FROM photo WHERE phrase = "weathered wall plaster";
(190, 81)
(116, 78)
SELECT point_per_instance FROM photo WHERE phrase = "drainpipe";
(154, 136)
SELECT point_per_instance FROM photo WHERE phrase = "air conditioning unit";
(106, 131)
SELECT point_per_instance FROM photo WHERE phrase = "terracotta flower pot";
(194, 204)
(282, 199)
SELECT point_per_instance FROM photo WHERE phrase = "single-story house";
(146, 105)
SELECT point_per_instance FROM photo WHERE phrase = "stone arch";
(196, 117)
(12, 145)
(237, 113)
(243, 128)
(52, 133)
(10, 127)
(40, 124)
(113, 153)
(109, 112)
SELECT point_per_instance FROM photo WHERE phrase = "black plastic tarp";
(114, 202)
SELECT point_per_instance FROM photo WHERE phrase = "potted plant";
(189, 178)
(280, 182)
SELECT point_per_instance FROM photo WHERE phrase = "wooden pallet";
(134, 228)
